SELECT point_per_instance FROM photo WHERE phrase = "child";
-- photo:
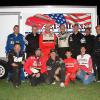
(71, 68)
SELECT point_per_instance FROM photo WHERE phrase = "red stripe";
(78, 20)
(79, 14)
(88, 23)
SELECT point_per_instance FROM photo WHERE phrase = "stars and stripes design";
(60, 18)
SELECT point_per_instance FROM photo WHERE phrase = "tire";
(3, 70)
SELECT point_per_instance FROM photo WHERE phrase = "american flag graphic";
(79, 18)
(56, 19)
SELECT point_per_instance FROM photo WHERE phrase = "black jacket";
(97, 45)
(51, 64)
(90, 43)
(32, 42)
(16, 58)
(76, 40)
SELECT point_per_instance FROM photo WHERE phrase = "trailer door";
(7, 22)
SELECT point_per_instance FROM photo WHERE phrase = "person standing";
(47, 40)
(62, 42)
(32, 41)
(97, 51)
(89, 41)
(90, 46)
(13, 38)
(76, 40)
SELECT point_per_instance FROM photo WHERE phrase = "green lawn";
(49, 92)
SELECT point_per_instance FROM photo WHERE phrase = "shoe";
(54, 83)
(23, 81)
(73, 82)
(62, 84)
(98, 81)
(17, 86)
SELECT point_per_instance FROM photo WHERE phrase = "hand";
(14, 65)
(79, 69)
(61, 59)
(38, 75)
(86, 77)
(90, 69)
(23, 62)
(78, 72)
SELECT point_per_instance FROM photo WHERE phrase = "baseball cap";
(52, 50)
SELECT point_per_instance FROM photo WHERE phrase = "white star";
(58, 20)
(61, 21)
(51, 16)
(61, 15)
(57, 14)
(56, 17)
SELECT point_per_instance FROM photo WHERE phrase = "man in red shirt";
(36, 68)
(71, 68)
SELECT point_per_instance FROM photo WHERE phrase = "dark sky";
(51, 2)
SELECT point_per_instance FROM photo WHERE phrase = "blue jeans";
(22, 77)
(86, 79)
(9, 77)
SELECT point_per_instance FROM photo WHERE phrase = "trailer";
(24, 15)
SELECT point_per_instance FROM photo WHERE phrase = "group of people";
(50, 58)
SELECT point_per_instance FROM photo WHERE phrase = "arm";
(23, 43)
(11, 60)
(40, 41)
(27, 66)
(44, 67)
(7, 46)
(90, 64)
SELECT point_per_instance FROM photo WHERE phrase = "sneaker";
(17, 86)
(54, 83)
(98, 81)
(22, 81)
(62, 84)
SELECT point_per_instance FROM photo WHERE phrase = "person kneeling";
(71, 68)
(85, 73)
(16, 60)
(55, 68)
(35, 68)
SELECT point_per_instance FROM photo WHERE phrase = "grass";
(49, 92)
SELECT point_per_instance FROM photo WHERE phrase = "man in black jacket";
(32, 41)
(89, 41)
(97, 51)
(76, 40)
(15, 61)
